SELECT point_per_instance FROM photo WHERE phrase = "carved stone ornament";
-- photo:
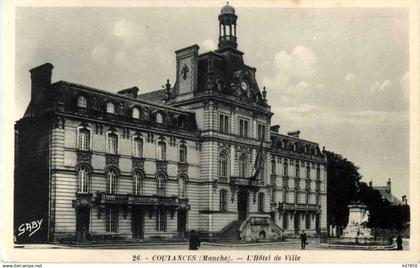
(84, 157)
(161, 165)
(185, 71)
(138, 163)
(112, 160)
(182, 168)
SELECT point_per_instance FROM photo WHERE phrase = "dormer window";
(136, 113)
(159, 118)
(82, 102)
(110, 108)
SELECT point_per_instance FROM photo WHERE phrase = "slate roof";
(154, 96)
(387, 195)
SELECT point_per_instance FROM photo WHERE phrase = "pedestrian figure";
(399, 242)
(194, 241)
(303, 240)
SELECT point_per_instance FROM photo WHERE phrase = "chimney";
(294, 134)
(388, 186)
(370, 183)
(404, 199)
(41, 78)
(131, 92)
(275, 128)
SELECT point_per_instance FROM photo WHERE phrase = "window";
(137, 181)
(83, 183)
(159, 118)
(161, 220)
(297, 170)
(223, 165)
(261, 202)
(224, 123)
(273, 167)
(243, 128)
(82, 102)
(306, 197)
(285, 221)
(112, 143)
(308, 221)
(112, 220)
(261, 132)
(285, 196)
(136, 113)
(308, 172)
(223, 200)
(285, 169)
(84, 139)
(161, 150)
(138, 147)
(318, 173)
(243, 166)
(160, 184)
(182, 181)
(110, 107)
(111, 182)
(262, 172)
(273, 195)
(182, 153)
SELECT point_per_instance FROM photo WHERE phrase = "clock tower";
(227, 27)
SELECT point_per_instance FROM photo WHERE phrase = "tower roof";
(227, 9)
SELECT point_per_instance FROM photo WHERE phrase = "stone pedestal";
(356, 230)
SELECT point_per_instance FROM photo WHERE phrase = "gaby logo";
(30, 227)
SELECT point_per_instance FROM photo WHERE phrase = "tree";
(342, 178)
(341, 181)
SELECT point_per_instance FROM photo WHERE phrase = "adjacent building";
(97, 165)
(386, 194)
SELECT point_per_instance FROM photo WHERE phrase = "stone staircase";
(229, 233)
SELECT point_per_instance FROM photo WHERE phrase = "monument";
(356, 230)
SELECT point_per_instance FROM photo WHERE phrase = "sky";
(340, 76)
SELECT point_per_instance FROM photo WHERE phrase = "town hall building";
(201, 154)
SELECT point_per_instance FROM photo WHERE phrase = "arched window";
(262, 171)
(159, 118)
(182, 181)
(308, 172)
(273, 167)
(261, 197)
(138, 147)
(285, 169)
(136, 113)
(112, 143)
(160, 184)
(273, 195)
(243, 166)
(84, 139)
(223, 200)
(223, 165)
(137, 182)
(110, 107)
(111, 182)
(82, 102)
(182, 153)
(297, 170)
(161, 150)
(83, 180)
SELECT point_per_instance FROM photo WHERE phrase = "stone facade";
(126, 166)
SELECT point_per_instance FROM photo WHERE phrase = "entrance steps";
(229, 233)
